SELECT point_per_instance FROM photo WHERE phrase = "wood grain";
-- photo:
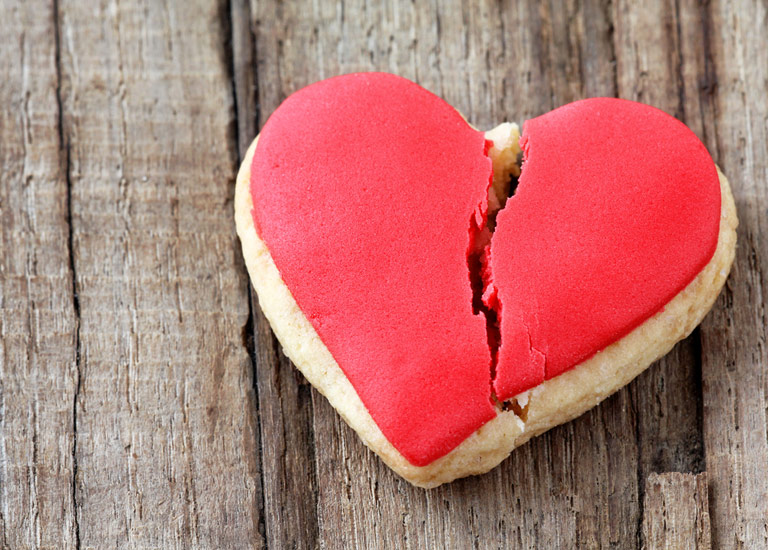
(558, 491)
(676, 512)
(145, 403)
(734, 356)
(166, 452)
(38, 325)
(653, 66)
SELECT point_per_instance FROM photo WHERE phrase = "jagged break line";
(478, 260)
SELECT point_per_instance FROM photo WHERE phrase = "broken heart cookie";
(446, 321)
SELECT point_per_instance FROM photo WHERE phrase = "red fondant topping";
(617, 210)
(364, 187)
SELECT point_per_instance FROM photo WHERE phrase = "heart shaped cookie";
(447, 323)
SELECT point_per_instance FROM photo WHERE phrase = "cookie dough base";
(549, 404)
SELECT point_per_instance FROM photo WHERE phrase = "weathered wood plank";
(285, 406)
(657, 56)
(38, 376)
(260, 342)
(676, 512)
(166, 443)
(575, 486)
(734, 336)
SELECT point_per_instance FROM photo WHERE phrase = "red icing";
(369, 192)
(617, 210)
(363, 189)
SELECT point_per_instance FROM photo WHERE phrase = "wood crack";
(679, 65)
(227, 23)
(610, 17)
(639, 476)
(78, 377)
(236, 18)
(250, 346)
(700, 459)
(64, 146)
(710, 80)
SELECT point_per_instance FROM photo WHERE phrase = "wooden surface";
(676, 512)
(144, 402)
